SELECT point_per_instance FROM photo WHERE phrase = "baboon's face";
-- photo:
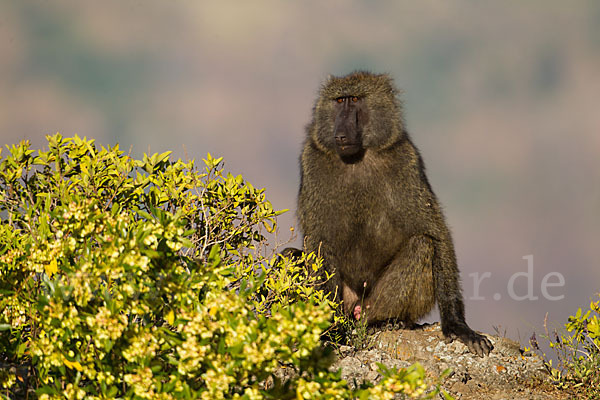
(356, 114)
(350, 117)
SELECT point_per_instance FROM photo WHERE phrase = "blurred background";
(502, 98)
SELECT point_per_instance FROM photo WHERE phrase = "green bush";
(577, 353)
(147, 279)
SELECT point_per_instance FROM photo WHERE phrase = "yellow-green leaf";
(73, 365)
(52, 268)
(170, 317)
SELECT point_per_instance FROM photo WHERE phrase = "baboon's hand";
(477, 343)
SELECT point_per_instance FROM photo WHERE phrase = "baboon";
(366, 206)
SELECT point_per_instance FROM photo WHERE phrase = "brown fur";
(365, 203)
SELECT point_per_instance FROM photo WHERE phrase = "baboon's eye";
(340, 99)
(354, 99)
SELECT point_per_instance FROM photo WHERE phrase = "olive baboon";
(366, 206)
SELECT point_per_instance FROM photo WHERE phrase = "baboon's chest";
(363, 220)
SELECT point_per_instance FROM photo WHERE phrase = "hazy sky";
(502, 99)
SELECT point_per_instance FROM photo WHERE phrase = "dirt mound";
(507, 373)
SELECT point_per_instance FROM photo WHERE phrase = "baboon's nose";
(341, 140)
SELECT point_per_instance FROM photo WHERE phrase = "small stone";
(372, 376)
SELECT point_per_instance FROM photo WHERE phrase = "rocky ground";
(507, 373)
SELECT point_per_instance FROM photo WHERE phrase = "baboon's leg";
(405, 290)
(351, 302)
